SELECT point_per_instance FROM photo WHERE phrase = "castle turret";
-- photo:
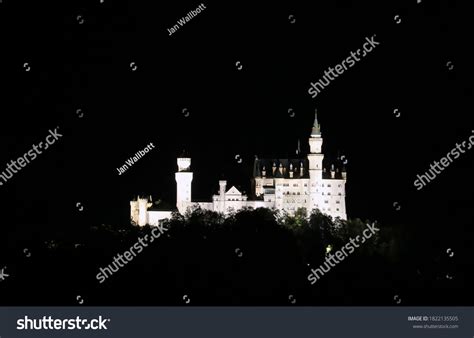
(134, 212)
(222, 187)
(344, 173)
(315, 158)
(183, 177)
(143, 206)
(315, 143)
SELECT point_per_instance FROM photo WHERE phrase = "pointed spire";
(316, 129)
(256, 167)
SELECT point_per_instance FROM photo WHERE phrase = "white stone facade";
(283, 184)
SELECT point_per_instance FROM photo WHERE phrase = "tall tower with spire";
(315, 158)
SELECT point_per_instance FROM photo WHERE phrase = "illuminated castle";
(283, 184)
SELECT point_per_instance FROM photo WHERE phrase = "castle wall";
(333, 197)
(154, 217)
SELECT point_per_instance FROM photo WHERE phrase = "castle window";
(340, 194)
(326, 202)
(295, 185)
(323, 192)
(338, 202)
(337, 209)
(329, 185)
(329, 193)
(339, 185)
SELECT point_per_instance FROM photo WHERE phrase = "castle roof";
(184, 154)
(280, 167)
(316, 131)
(162, 208)
(233, 191)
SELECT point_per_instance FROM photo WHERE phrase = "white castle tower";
(327, 190)
(222, 191)
(183, 177)
(139, 211)
(143, 206)
(315, 158)
(134, 212)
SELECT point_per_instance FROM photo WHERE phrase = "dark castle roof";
(283, 171)
(282, 167)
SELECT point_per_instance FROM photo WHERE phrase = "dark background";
(87, 66)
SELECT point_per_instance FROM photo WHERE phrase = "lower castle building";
(282, 184)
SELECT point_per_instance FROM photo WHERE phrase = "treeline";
(251, 257)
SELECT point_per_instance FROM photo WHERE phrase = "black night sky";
(87, 66)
